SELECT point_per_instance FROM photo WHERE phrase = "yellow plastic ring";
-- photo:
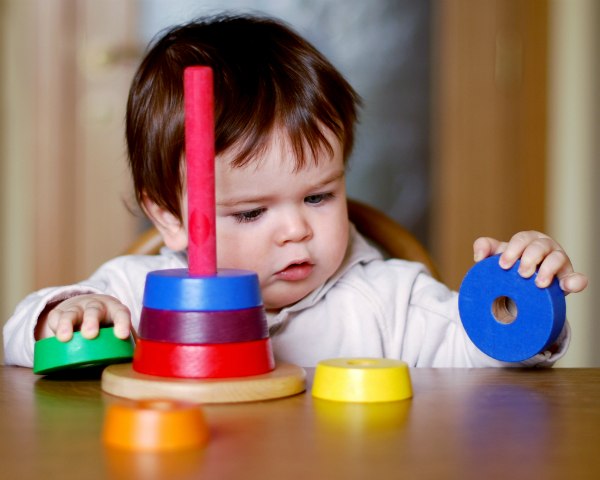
(362, 380)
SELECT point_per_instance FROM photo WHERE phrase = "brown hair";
(265, 76)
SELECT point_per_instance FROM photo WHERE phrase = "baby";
(284, 129)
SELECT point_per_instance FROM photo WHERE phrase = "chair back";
(389, 235)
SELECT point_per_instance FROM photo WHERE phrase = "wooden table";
(461, 423)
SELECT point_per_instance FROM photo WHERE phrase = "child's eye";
(318, 198)
(249, 216)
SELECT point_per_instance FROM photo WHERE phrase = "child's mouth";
(295, 271)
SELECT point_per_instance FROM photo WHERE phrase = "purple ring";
(189, 327)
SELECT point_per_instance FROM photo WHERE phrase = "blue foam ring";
(540, 315)
(176, 289)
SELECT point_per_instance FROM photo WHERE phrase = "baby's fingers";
(554, 264)
(94, 312)
(107, 311)
(121, 318)
(62, 322)
(558, 265)
(531, 247)
(573, 282)
(88, 313)
(484, 247)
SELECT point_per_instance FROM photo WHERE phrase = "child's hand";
(536, 251)
(86, 313)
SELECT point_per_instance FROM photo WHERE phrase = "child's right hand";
(85, 313)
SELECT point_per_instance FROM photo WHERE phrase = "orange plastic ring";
(218, 360)
(155, 425)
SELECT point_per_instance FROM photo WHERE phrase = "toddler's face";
(291, 227)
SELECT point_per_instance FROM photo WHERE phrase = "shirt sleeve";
(423, 325)
(19, 329)
(123, 277)
(435, 325)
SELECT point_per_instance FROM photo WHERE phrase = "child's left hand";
(536, 251)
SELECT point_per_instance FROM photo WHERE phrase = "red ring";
(223, 360)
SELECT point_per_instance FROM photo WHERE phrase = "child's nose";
(294, 227)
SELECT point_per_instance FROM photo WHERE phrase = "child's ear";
(171, 229)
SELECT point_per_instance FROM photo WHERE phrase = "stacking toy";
(202, 324)
(50, 355)
(202, 291)
(155, 425)
(509, 317)
(362, 380)
(209, 326)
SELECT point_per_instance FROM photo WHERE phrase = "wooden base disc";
(122, 381)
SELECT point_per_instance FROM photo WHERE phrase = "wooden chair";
(386, 233)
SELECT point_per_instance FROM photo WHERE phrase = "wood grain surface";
(461, 423)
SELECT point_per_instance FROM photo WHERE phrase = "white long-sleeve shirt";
(371, 307)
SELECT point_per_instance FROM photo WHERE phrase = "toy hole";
(161, 405)
(504, 310)
(363, 362)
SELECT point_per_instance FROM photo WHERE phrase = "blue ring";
(540, 317)
(175, 289)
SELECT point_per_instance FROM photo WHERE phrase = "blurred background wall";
(480, 118)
